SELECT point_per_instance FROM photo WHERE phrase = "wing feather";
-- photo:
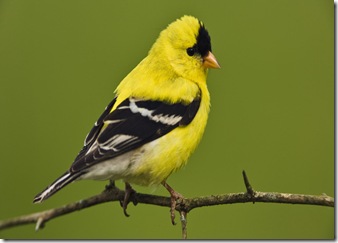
(92, 135)
(132, 124)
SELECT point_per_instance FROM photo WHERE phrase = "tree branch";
(184, 206)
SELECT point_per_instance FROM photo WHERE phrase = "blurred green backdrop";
(272, 113)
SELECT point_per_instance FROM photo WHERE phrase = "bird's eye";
(191, 51)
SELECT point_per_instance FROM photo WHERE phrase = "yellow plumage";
(168, 74)
(157, 118)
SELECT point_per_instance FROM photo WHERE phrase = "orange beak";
(209, 61)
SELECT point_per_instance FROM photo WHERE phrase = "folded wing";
(132, 124)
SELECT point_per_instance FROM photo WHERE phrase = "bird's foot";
(110, 186)
(128, 192)
(173, 201)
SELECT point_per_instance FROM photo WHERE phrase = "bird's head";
(185, 45)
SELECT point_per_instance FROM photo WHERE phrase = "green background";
(272, 113)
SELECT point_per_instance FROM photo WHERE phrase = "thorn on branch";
(250, 191)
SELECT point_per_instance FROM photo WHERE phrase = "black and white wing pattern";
(132, 124)
(92, 135)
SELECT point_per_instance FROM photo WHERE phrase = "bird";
(156, 119)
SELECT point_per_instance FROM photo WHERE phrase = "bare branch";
(184, 206)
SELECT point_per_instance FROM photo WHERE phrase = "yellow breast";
(155, 161)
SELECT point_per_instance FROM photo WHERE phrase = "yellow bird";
(156, 119)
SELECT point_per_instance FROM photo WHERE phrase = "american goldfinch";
(156, 119)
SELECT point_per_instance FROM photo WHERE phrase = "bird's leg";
(128, 191)
(174, 196)
(110, 186)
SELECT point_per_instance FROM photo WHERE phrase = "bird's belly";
(113, 169)
(154, 162)
(148, 165)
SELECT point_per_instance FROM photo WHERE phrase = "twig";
(249, 188)
(112, 193)
(184, 222)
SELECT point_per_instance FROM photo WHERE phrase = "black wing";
(92, 135)
(132, 124)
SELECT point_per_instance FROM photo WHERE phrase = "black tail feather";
(58, 184)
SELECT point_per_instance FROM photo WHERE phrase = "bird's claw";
(110, 186)
(174, 197)
(128, 192)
